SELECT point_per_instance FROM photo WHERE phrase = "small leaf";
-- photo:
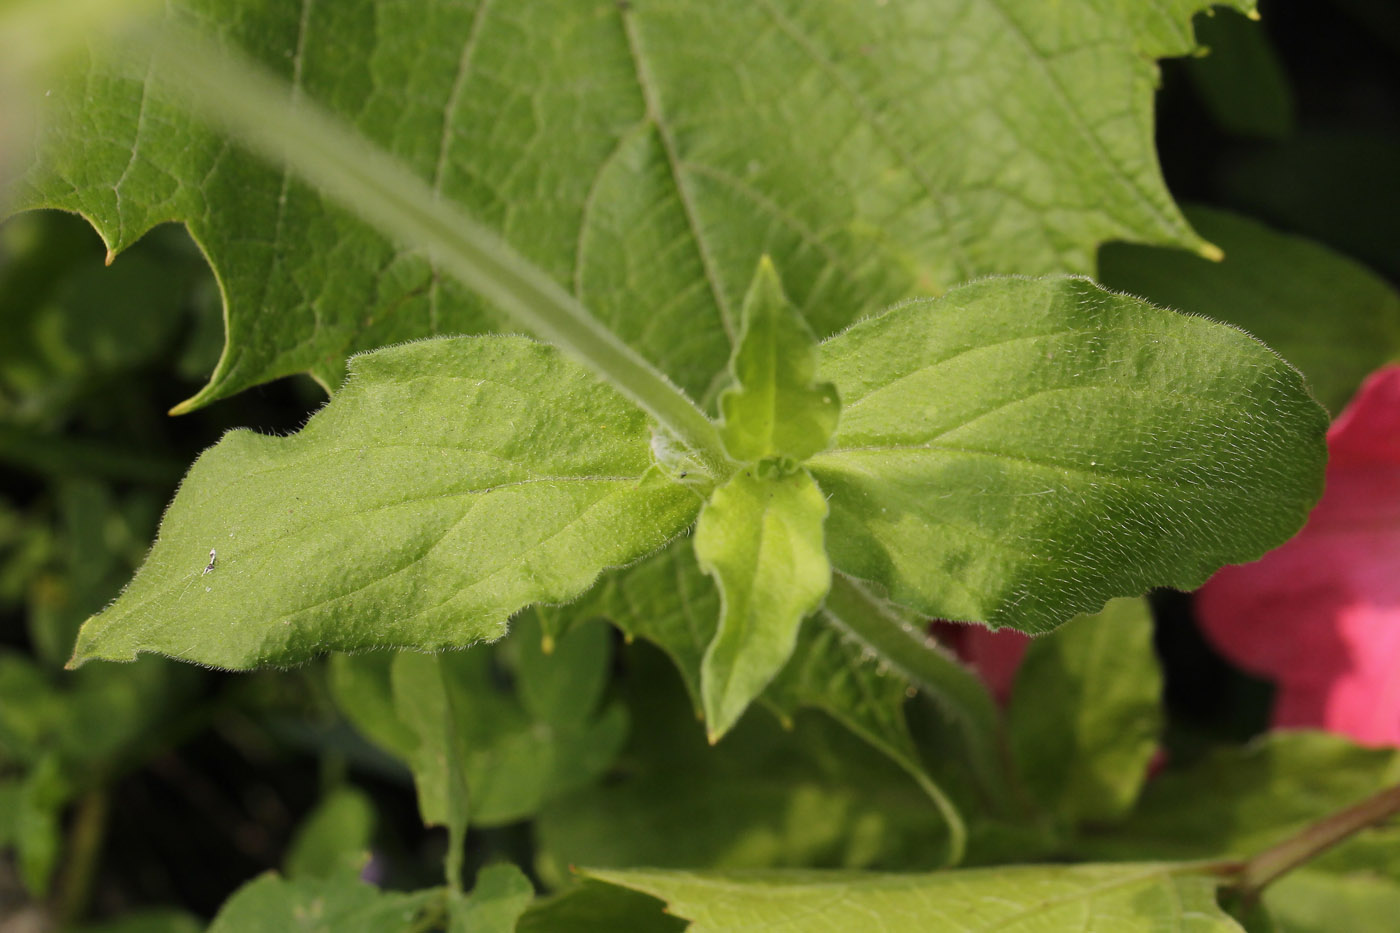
(1021, 450)
(521, 748)
(338, 905)
(449, 484)
(1086, 714)
(334, 839)
(425, 700)
(778, 409)
(760, 537)
(497, 900)
(1123, 898)
(590, 906)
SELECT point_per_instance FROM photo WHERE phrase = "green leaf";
(589, 906)
(1021, 450)
(652, 195)
(1085, 716)
(767, 796)
(1122, 898)
(337, 905)
(777, 409)
(1239, 801)
(667, 600)
(1240, 80)
(1276, 287)
(334, 838)
(521, 748)
(449, 484)
(831, 671)
(1307, 901)
(497, 900)
(426, 704)
(760, 537)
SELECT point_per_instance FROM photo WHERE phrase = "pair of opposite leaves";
(1015, 452)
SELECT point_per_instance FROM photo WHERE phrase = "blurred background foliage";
(150, 791)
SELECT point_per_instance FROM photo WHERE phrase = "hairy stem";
(337, 160)
(907, 648)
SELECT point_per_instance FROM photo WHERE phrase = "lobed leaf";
(644, 154)
(760, 537)
(448, 485)
(1021, 450)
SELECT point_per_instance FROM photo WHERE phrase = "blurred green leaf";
(812, 795)
(334, 839)
(1239, 78)
(337, 905)
(1331, 317)
(428, 706)
(1086, 716)
(522, 746)
(1123, 898)
(1239, 801)
(501, 894)
(590, 906)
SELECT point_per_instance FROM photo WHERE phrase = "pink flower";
(1320, 616)
(995, 656)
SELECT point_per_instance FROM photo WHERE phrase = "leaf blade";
(760, 537)
(778, 409)
(1021, 450)
(448, 485)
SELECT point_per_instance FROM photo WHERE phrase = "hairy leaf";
(645, 154)
(777, 410)
(1330, 316)
(760, 537)
(450, 483)
(1122, 898)
(1021, 450)
(1086, 714)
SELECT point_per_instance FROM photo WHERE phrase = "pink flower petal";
(1320, 615)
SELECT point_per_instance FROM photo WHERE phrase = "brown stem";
(1257, 873)
(85, 837)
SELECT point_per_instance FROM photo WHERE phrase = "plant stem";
(1271, 864)
(337, 160)
(84, 845)
(908, 649)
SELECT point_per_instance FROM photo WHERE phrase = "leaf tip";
(110, 258)
(1210, 251)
